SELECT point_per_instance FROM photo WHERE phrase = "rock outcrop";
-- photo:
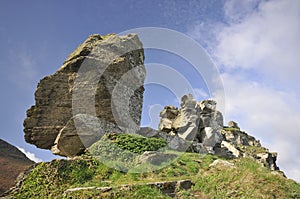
(200, 125)
(198, 122)
(237, 143)
(12, 163)
(98, 89)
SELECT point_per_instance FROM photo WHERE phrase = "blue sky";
(253, 44)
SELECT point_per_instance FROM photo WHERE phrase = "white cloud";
(200, 94)
(258, 53)
(237, 10)
(265, 113)
(267, 40)
(30, 155)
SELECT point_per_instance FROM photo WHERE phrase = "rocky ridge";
(202, 124)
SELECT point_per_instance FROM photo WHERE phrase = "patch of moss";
(138, 144)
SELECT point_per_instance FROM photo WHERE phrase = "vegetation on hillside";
(246, 179)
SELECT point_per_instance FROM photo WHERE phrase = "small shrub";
(138, 144)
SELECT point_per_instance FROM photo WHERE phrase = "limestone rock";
(102, 78)
(238, 137)
(200, 126)
(210, 136)
(230, 147)
(237, 144)
(198, 122)
(90, 129)
(173, 140)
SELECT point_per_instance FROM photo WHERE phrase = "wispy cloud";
(23, 70)
(258, 53)
(30, 155)
(266, 40)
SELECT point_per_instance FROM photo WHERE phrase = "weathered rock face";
(98, 89)
(200, 125)
(194, 121)
(237, 143)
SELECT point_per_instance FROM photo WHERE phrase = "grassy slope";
(247, 180)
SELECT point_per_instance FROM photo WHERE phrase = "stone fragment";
(230, 147)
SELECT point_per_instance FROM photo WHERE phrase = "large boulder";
(103, 80)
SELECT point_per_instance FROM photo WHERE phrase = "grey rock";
(103, 78)
(79, 133)
(173, 140)
(230, 147)
(232, 124)
(238, 137)
(268, 160)
(237, 144)
(156, 158)
(210, 136)
(194, 122)
(148, 132)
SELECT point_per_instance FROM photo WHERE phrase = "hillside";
(189, 175)
(12, 163)
(88, 178)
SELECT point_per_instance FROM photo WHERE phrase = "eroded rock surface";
(237, 143)
(103, 80)
(197, 122)
(200, 125)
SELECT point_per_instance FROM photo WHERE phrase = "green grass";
(138, 144)
(252, 149)
(247, 180)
